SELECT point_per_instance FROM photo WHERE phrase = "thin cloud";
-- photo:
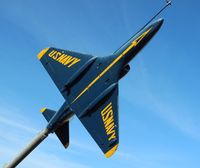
(12, 141)
(13, 123)
(41, 159)
(171, 110)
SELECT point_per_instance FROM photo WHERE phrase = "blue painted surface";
(159, 98)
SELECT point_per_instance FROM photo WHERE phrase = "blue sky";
(158, 99)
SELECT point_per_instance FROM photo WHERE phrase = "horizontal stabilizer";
(47, 113)
(62, 131)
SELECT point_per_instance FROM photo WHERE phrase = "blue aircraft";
(89, 86)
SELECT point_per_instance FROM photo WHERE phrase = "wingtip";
(41, 54)
(43, 110)
(111, 151)
(66, 145)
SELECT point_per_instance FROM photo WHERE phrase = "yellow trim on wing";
(41, 54)
(43, 110)
(111, 151)
(133, 44)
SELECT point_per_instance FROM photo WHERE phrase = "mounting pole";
(25, 152)
(168, 3)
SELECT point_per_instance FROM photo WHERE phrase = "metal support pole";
(35, 142)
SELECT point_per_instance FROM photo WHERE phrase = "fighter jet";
(89, 85)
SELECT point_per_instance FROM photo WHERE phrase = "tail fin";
(62, 132)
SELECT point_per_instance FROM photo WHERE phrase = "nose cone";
(150, 31)
(159, 23)
(161, 20)
(137, 42)
(156, 25)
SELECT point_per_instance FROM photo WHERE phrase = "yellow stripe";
(107, 107)
(43, 110)
(133, 44)
(111, 151)
(41, 54)
(104, 71)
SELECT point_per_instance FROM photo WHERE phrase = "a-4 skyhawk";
(89, 85)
